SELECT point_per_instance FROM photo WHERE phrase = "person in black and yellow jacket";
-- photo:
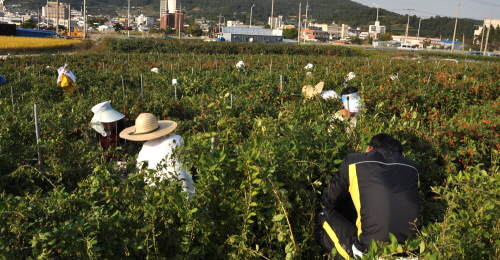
(382, 185)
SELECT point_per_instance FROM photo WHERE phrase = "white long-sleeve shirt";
(160, 151)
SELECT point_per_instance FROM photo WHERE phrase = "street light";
(377, 11)
(418, 31)
(251, 15)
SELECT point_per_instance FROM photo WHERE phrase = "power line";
(485, 3)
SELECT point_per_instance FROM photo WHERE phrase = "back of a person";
(384, 185)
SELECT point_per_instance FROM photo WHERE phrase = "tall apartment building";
(168, 6)
(171, 15)
(50, 11)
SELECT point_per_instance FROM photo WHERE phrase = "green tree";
(28, 24)
(385, 37)
(355, 40)
(290, 33)
(94, 22)
(194, 29)
(267, 26)
(118, 27)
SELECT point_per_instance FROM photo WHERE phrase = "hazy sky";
(474, 9)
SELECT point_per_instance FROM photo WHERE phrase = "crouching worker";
(383, 187)
(158, 150)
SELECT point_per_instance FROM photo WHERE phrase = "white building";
(242, 34)
(235, 24)
(376, 29)
(104, 27)
(2, 7)
(275, 22)
(486, 25)
(145, 21)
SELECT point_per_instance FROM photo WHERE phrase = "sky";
(473, 9)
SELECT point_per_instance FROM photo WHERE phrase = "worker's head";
(384, 140)
(349, 90)
(350, 99)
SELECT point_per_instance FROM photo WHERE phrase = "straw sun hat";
(147, 127)
(310, 91)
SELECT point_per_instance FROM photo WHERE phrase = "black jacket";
(384, 189)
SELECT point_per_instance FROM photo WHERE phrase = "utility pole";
(57, 19)
(482, 38)
(220, 15)
(128, 20)
(69, 20)
(377, 11)
(84, 19)
(298, 24)
(418, 31)
(487, 36)
(305, 22)
(407, 25)
(251, 11)
(455, 30)
(272, 14)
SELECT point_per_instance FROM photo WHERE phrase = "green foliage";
(291, 33)
(118, 27)
(259, 184)
(28, 24)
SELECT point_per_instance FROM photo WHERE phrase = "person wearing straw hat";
(109, 123)
(309, 91)
(158, 150)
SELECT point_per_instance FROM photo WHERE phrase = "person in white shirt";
(159, 150)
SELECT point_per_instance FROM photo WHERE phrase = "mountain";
(319, 11)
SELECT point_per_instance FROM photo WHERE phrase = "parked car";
(492, 54)
(475, 53)
(407, 47)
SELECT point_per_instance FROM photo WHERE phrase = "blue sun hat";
(352, 102)
(2, 80)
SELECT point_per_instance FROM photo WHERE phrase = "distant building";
(376, 30)
(314, 35)
(167, 20)
(179, 20)
(420, 41)
(456, 46)
(105, 27)
(357, 32)
(337, 31)
(2, 7)
(52, 13)
(275, 22)
(144, 21)
(17, 20)
(243, 34)
(486, 25)
(168, 7)
(235, 24)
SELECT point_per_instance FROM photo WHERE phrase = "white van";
(407, 47)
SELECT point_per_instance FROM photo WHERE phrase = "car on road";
(407, 47)
(475, 53)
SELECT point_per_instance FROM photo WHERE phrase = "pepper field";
(259, 184)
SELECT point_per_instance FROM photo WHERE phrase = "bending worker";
(383, 187)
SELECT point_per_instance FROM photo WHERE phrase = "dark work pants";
(334, 230)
